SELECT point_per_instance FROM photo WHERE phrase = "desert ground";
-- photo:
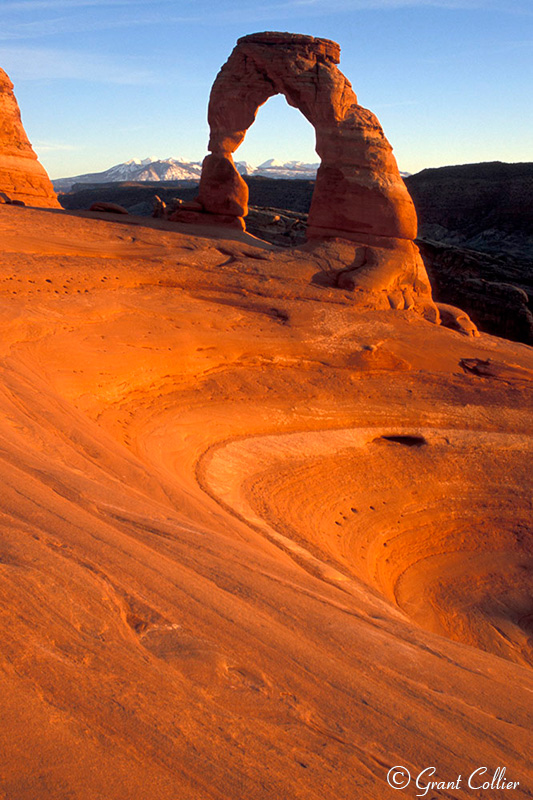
(258, 540)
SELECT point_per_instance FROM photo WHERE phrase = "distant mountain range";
(147, 169)
(177, 169)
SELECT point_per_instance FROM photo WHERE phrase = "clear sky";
(103, 81)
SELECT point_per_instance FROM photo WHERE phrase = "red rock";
(502, 371)
(359, 194)
(188, 205)
(358, 189)
(245, 524)
(22, 178)
(391, 275)
(456, 319)
(222, 189)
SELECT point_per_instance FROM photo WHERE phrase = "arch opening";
(280, 133)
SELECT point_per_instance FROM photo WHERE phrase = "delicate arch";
(359, 192)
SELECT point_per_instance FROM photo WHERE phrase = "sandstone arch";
(22, 178)
(359, 194)
(358, 189)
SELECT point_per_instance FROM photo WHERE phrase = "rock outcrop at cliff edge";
(359, 193)
(22, 177)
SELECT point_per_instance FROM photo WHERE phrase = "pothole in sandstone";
(437, 520)
(407, 441)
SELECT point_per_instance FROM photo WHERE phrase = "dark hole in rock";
(408, 441)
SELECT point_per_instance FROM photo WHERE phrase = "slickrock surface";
(255, 542)
(22, 177)
(359, 194)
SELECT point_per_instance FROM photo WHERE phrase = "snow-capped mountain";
(245, 168)
(146, 169)
(290, 169)
(177, 169)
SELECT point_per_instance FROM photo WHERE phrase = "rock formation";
(476, 239)
(22, 177)
(456, 319)
(495, 291)
(254, 542)
(485, 207)
(359, 193)
(108, 208)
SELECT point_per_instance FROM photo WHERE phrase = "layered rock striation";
(254, 542)
(359, 193)
(22, 178)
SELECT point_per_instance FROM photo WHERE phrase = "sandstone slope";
(255, 543)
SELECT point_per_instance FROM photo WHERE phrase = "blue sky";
(102, 81)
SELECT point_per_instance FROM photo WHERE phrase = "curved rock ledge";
(415, 513)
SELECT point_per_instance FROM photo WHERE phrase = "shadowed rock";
(22, 178)
(109, 208)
